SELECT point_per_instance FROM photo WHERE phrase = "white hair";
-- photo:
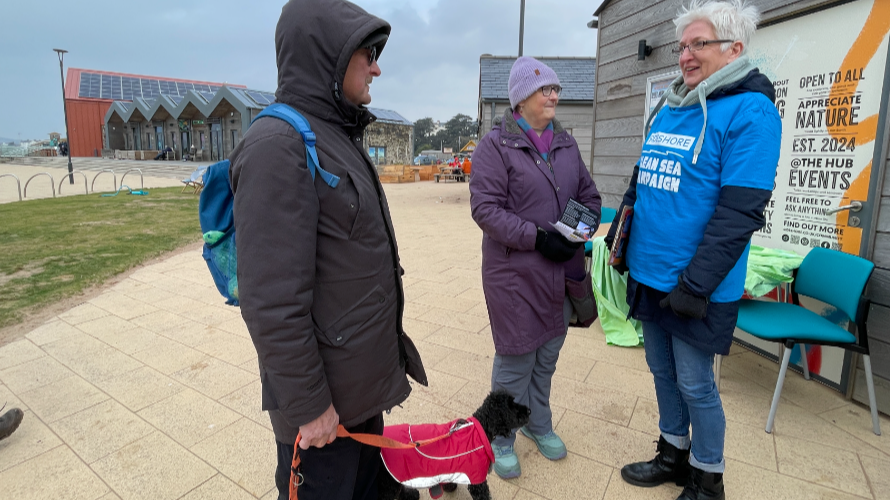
(732, 19)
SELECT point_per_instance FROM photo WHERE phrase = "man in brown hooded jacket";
(318, 268)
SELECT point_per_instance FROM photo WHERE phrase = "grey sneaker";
(506, 463)
(550, 445)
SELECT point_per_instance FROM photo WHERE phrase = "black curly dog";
(499, 415)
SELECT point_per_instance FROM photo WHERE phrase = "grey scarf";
(678, 94)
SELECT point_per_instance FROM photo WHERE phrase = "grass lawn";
(57, 247)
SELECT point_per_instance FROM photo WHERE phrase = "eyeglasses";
(695, 46)
(372, 54)
(546, 90)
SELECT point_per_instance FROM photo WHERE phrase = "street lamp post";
(61, 53)
(521, 25)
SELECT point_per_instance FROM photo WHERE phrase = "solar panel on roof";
(131, 88)
(258, 97)
(176, 99)
(199, 87)
(84, 85)
(269, 97)
(116, 87)
(207, 95)
(105, 87)
(95, 86)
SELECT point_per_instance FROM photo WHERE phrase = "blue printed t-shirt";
(676, 199)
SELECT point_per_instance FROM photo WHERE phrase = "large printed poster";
(828, 71)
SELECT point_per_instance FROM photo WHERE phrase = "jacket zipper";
(392, 248)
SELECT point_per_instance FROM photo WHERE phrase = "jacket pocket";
(340, 209)
(269, 402)
(370, 306)
(580, 294)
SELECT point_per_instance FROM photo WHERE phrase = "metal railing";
(62, 181)
(113, 186)
(17, 182)
(52, 183)
(141, 178)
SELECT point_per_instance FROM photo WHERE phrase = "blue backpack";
(218, 200)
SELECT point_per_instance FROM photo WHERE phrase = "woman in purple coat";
(524, 172)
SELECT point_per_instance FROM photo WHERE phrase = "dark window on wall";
(202, 140)
(234, 139)
(148, 139)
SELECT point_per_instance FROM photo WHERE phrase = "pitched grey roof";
(387, 116)
(206, 103)
(576, 74)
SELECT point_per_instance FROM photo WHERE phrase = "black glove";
(684, 303)
(610, 240)
(610, 235)
(554, 246)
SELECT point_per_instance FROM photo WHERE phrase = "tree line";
(454, 134)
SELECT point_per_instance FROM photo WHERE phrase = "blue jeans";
(687, 394)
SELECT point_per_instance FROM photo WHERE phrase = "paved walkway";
(150, 390)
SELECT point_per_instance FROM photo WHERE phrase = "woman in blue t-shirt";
(705, 174)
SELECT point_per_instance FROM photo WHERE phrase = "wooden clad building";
(809, 36)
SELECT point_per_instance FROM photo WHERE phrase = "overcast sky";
(430, 64)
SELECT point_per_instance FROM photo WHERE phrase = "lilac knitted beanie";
(527, 76)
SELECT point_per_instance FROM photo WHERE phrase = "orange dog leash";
(377, 441)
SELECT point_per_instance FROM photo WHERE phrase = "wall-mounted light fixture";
(643, 50)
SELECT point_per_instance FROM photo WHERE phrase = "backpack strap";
(300, 124)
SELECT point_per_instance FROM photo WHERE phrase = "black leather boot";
(703, 486)
(671, 464)
(10, 421)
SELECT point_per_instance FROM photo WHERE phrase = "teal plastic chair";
(833, 277)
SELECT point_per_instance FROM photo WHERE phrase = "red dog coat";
(464, 457)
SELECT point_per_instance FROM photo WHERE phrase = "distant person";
(10, 421)
(526, 170)
(63, 148)
(163, 154)
(688, 244)
(467, 165)
(319, 278)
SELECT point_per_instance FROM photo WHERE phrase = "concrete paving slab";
(100, 430)
(58, 473)
(153, 467)
(33, 438)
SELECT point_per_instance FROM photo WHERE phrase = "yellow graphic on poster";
(828, 93)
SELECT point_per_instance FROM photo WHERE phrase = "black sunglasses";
(372, 55)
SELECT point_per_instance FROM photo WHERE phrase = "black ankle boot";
(671, 464)
(10, 421)
(703, 486)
